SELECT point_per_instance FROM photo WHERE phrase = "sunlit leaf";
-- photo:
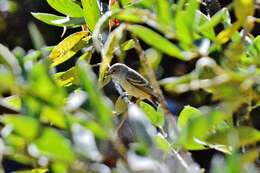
(157, 41)
(67, 7)
(187, 114)
(91, 13)
(39, 170)
(156, 117)
(128, 45)
(68, 48)
(185, 21)
(68, 77)
(243, 8)
(25, 126)
(53, 117)
(164, 12)
(60, 21)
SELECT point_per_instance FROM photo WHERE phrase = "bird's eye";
(113, 71)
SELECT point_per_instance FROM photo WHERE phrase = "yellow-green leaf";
(91, 13)
(68, 77)
(68, 48)
(157, 41)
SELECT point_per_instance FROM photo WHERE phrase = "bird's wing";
(139, 82)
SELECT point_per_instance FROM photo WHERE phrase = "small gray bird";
(132, 82)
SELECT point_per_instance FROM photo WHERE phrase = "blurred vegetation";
(59, 113)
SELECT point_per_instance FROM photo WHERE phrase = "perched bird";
(132, 82)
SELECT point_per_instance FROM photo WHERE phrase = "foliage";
(61, 121)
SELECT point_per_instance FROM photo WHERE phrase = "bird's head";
(117, 70)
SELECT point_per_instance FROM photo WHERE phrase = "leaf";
(129, 44)
(244, 8)
(25, 126)
(41, 88)
(96, 99)
(68, 48)
(195, 127)
(207, 30)
(67, 7)
(164, 12)
(214, 21)
(39, 170)
(36, 36)
(136, 15)
(91, 13)
(7, 58)
(162, 143)
(157, 41)
(53, 117)
(120, 105)
(185, 20)
(68, 77)
(226, 34)
(60, 21)
(155, 117)
(254, 48)
(54, 146)
(187, 114)
(246, 136)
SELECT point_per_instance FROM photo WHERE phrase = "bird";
(132, 82)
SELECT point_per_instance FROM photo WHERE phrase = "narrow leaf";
(157, 41)
(91, 13)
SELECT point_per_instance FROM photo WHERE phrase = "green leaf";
(129, 44)
(214, 21)
(254, 48)
(196, 126)
(91, 13)
(246, 136)
(184, 22)
(68, 77)
(155, 117)
(25, 126)
(157, 41)
(67, 7)
(68, 48)
(96, 99)
(164, 12)
(162, 143)
(187, 114)
(53, 117)
(207, 31)
(54, 146)
(41, 88)
(59, 167)
(60, 21)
